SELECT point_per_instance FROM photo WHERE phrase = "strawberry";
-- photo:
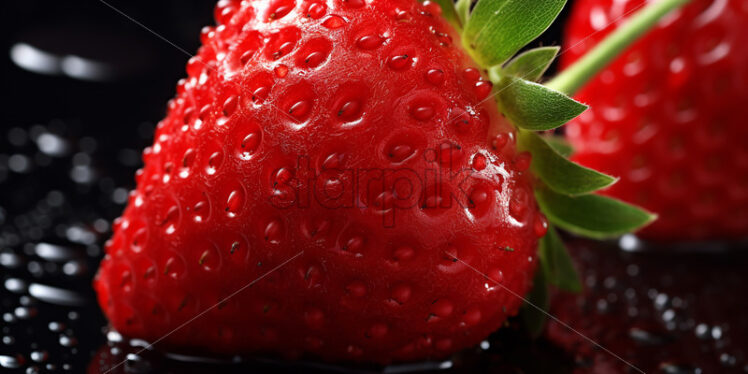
(333, 180)
(668, 116)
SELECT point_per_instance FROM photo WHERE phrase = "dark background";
(71, 141)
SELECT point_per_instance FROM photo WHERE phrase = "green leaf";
(497, 29)
(532, 64)
(534, 318)
(449, 13)
(556, 263)
(558, 172)
(462, 8)
(559, 144)
(533, 106)
(593, 216)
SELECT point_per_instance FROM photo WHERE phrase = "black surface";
(69, 146)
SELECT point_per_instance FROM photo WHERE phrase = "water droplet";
(369, 42)
(39, 356)
(349, 111)
(442, 308)
(541, 225)
(483, 89)
(234, 203)
(316, 10)
(53, 252)
(11, 362)
(16, 285)
(333, 22)
(399, 62)
(55, 295)
(68, 341)
(274, 231)
(401, 294)
(522, 161)
(300, 109)
(250, 144)
(479, 162)
(422, 112)
(280, 8)
(500, 140)
(281, 71)
(214, 161)
(435, 76)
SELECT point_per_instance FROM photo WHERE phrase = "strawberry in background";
(669, 116)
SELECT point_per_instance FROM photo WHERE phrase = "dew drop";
(399, 62)
(333, 22)
(281, 71)
(300, 109)
(316, 10)
(234, 202)
(274, 232)
(369, 42)
(422, 112)
(214, 161)
(250, 144)
(479, 162)
(349, 111)
(435, 76)
(522, 161)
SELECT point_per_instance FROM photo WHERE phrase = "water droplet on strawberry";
(479, 162)
(401, 294)
(422, 112)
(281, 71)
(235, 202)
(316, 10)
(333, 22)
(522, 161)
(249, 145)
(399, 62)
(214, 162)
(541, 225)
(349, 111)
(435, 76)
(482, 89)
(274, 231)
(279, 9)
(369, 42)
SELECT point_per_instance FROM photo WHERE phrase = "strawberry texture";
(668, 115)
(319, 173)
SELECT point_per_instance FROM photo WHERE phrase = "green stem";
(578, 74)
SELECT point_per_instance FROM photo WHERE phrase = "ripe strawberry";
(334, 180)
(668, 116)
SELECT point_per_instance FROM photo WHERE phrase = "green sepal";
(532, 64)
(532, 106)
(533, 318)
(592, 216)
(559, 144)
(556, 263)
(558, 172)
(449, 13)
(497, 29)
(462, 10)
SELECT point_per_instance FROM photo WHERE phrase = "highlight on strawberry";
(358, 181)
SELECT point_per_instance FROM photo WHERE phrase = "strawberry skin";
(335, 155)
(668, 116)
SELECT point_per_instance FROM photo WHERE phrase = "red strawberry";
(668, 116)
(334, 179)
(255, 163)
